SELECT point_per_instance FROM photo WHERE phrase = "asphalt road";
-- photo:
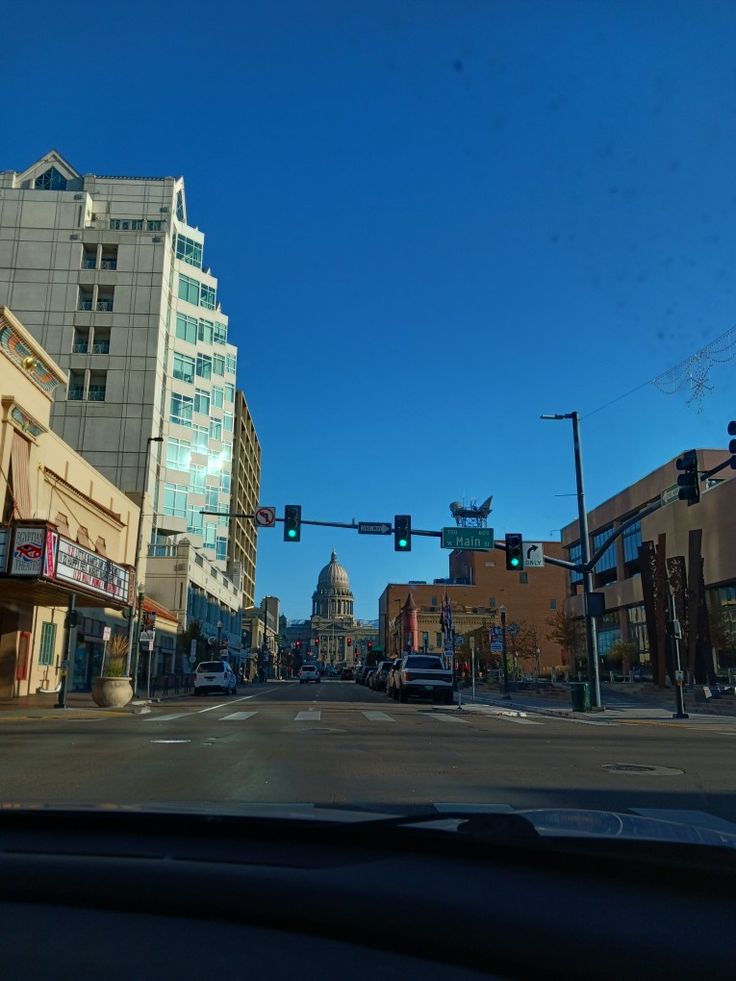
(339, 743)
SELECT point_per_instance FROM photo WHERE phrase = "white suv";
(214, 676)
(307, 673)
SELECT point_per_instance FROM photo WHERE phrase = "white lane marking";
(212, 708)
(378, 717)
(310, 716)
(446, 718)
(166, 718)
(170, 742)
(237, 716)
(519, 721)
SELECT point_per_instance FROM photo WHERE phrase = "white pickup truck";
(423, 676)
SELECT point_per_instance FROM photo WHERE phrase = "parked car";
(391, 677)
(423, 676)
(347, 674)
(378, 681)
(307, 673)
(214, 676)
(362, 676)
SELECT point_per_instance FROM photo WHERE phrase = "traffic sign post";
(265, 517)
(471, 539)
(374, 528)
(533, 555)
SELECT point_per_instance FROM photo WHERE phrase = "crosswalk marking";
(447, 718)
(311, 716)
(165, 718)
(519, 721)
(237, 716)
(378, 717)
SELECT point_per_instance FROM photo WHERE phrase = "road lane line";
(212, 708)
(237, 716)
(165, 718)
(445, 718)
(310, 716)
(378, 717)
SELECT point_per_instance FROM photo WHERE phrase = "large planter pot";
(112, 692)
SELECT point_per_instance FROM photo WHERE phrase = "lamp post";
(219, 637)
(138, 547)
(592, 640)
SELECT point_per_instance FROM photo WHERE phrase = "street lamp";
(138, 547)
(592, 640)
(219, 638)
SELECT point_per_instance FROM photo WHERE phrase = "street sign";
(106, 633)
(513, 629)
(473, 539)
(265, 517)
(533, 555)
(193, 651)
(497, 647)
(670, 494)
(374, 528)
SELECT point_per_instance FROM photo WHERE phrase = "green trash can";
(580, 693)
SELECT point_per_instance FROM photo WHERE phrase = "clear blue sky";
(431, 222)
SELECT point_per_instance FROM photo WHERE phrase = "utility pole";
(674, 630)
(67, 663)
(592, 640)
(504, 649)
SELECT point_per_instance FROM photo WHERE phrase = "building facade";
(109, 276)
(618, 572)
(67, 534)
(246, 488)
(478, 586)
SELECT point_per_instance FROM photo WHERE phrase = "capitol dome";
(333, 596)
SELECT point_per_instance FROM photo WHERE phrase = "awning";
(20, 455)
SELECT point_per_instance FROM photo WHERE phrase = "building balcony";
(80, 347)
(84, 304)
(104, 306)
(96, 393)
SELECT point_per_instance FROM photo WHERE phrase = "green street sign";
(473, 539)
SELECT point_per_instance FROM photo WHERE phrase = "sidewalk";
(621, 703)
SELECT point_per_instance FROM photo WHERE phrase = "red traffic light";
(316, 641)
(350, 641)
(298, 643)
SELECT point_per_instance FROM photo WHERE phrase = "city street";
(337, 743)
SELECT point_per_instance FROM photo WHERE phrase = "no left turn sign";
(265, 517)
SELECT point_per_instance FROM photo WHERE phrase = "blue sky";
(431, 221)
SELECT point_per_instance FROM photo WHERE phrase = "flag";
(446, 622)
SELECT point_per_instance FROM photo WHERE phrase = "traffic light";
(298, 645)
(370, 645)
(732, 444)
(316, 643)
(350, 641)
(292, 522)
(514, 552)
(402, 533)
(687, 481)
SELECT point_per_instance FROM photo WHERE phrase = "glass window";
(213, 499)
(632, 540)
(218, 397)
(178, 454)
(50, 180)
(222, 521)
(206, 331)
(197, 476)
(230, 393)
(220, 334)
(200, 435)
(207, 296)
(227, 422)
(637, 621)
(186, 328)
(194, 520)
(181, 409)
(225, 482)
(201, 401)
(231, 363)
(204, 366)
(175, 500)
(609, 632)
(575, 554)
(154, 225)
(222, 548)
(524, 578)
(180, 206)
(553, 604)
(209, 535)
(48, 643)
(605, 567)
(188, 289)
(218, 363)
(189, 251)
(184, 368)
(215, 429)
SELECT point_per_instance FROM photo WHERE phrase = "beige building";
(618, 572)
(244, 499)
(66, 532)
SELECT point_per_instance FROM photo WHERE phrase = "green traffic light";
(402, 542)
(514, 561)
(292, 533)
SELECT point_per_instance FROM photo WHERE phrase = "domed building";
(332, 634)
(333, 598)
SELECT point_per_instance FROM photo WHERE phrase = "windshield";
(402, 334)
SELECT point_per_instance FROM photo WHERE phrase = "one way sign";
(533, 555)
